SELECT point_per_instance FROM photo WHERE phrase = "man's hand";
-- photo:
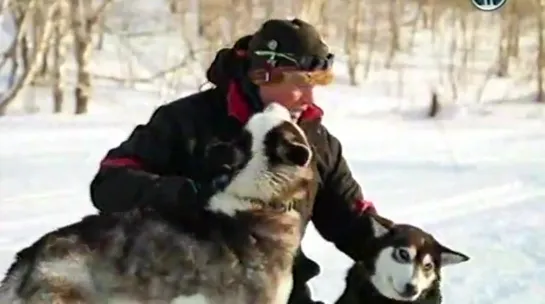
(205, 191)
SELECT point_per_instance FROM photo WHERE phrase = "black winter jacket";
(160, 163)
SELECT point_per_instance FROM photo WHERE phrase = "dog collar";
(276, 206)
(281, 206)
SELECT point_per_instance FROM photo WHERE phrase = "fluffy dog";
(237, 249)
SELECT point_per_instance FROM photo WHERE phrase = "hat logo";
(272, 45)
(488, 5)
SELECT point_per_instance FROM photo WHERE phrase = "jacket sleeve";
(339, 203)
(133, 173)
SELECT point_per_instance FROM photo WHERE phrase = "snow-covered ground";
(475, 181)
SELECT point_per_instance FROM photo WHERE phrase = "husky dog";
(238, 249)
(401, 264)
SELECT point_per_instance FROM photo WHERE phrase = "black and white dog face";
(278, 162)
(407, 260)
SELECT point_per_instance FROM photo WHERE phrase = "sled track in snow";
(472, 202)
(37, 196)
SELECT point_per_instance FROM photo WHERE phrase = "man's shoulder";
(191, 111)
(326, 145)
(199, 102)
(320, 134)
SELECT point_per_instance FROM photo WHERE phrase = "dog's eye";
(402, 255)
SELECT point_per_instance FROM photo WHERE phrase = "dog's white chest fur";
(284, 289)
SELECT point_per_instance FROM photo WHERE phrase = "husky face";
(409, 260)
(277, 166)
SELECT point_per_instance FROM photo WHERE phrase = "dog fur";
(401, 264)
(238, 249)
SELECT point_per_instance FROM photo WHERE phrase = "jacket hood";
(229, 64)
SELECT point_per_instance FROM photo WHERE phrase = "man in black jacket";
(164, 163)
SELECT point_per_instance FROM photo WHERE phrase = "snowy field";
(475, 181)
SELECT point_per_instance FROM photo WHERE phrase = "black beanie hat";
(295, 37)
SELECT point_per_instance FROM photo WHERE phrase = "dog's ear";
(451, 257)
(381, 226)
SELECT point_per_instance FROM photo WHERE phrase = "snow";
(474, 177)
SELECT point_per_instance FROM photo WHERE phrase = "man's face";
(295, 97)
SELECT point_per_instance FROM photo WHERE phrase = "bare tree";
(371, 41)
(60, 50)
(83, 21)
(310, 11)
(352, 39)
(30, 73)
(503, 55)
(540, 50)
(364, 35)
(395, 44)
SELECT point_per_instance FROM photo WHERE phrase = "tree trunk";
(82, 31)
(352, 41)
(394, 33)
(540, 52)
(59, 56)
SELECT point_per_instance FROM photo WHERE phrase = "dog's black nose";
(410, 290)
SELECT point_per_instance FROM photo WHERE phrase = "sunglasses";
(306, 70)
(285, 75)
(308, 63)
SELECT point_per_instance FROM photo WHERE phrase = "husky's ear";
(451, 257)
(381, 226)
